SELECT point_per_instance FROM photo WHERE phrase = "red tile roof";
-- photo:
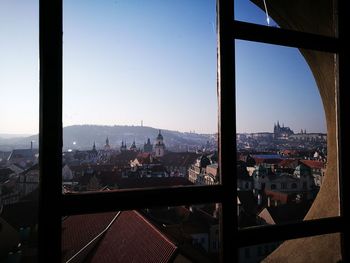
(181, 159)
(279, 196)
(132, 238)
(313, 164)
(79, 230)
(290, 163)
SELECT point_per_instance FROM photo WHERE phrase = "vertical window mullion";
(50, 127)
(227, 129)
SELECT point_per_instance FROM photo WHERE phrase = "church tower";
(148, 147)
(159, 147)
(123, 147)
(133, 147)
(107, 146)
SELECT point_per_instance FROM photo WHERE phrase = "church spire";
(94, 147)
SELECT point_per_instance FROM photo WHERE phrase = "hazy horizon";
(15, 135)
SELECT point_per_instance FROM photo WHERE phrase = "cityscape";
(279, 174)
(140, 110)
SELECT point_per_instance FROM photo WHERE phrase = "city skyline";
(174, 64)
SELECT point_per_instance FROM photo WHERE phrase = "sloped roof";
(290, 163)
(132, 238)
(276, 195)
(313, 164)
(183, 159)
(23, 153)
(123, 158)
(289, 212)
(79, 230)
(128, 237)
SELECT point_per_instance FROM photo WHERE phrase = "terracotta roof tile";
(313, 164)
(132, 238)
(79, 230)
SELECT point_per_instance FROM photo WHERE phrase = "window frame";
(228, 30)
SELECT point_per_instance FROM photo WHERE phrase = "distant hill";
(82, 137)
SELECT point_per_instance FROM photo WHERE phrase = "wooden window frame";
(228, 30)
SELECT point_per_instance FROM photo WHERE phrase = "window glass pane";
(140, 99)
(19, 126)
(285, 151)
(167, 234)
(307, 16)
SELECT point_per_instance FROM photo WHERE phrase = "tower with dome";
(159, 146)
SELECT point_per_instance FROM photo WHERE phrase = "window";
(19, 127)
(273, 186)
(51, 138)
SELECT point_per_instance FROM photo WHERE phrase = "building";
(244, 180)
(178, 163)
(281, 132)
(23, 157)
(318, 170)
(148, 147)
(309, 137)
(133, 147)
(159, 146)
(123, 147)
(29, 180)
(300, 183)
(107, 147)
(203, 172)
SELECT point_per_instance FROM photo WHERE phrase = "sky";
(126, 61)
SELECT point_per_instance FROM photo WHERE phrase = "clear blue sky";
(127, 61)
